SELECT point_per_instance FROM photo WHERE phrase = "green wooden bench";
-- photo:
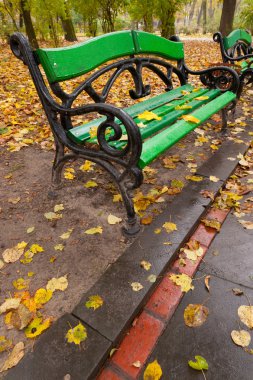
(123, 141)
(236, 50)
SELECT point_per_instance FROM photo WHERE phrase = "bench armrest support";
(219, 77)
(217, 37)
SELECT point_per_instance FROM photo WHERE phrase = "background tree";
(166, 12)
(142, 11)
(246, 15)
(227, 16)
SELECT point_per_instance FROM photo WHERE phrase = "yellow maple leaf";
(182, 280)
(153, 371)
(89, 184)
(94, 302)
(20, 283)
(36, 248)
(117, 198)
(194, 178)
(213, 223)
(68, 175)
(67, 234)
(170, 227)
(76, 335)
(191, 118)
(42, 296)
(148, 115)
(58, 207)
(87, 166)
(202, 98)
(94, 230)
(60, 283)
(59, 247)
(37, 326)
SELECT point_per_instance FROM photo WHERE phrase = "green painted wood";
(69, 62)
(237, 35)
(146, 43)
(81, 133)
(159, 143)
(172, 115)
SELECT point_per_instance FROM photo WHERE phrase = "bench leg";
(132, 226)
(58, 164)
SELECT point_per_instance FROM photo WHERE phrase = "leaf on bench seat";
(183, 107)
(191, 118)
(148, 115)
(202, 97)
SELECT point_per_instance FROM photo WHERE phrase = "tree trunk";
(191, 13)
(227, 16)
(68, 27)
(28, 24)
(200, 14)
(69, 31)
(204, 16)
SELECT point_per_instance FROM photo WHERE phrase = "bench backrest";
(235, 36)
(69, 62)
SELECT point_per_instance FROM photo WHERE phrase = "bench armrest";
(217, 37)
(219, 77)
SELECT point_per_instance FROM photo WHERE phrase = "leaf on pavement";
(52, 216)
(153, 371)
(60, 283)
(10, 255)
(94, 230)
(15, 356)
(195, 315)
(136, 286)
(241, 338)
(37, 326)
(200, 363)
(207, 279)
(212, 223)
(42, 296)
(5, 344)
(77, 334)
(170, 227)
(245, 314)
(9, 304)
(113, 219)
(94, 302)
(145, 264)
(58, 207)
(182, 280)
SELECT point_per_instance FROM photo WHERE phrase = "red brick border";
(135, 348)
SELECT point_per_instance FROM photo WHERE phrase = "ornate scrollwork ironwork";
(240, 51)
(220, 77)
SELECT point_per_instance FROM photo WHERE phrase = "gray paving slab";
(231, 253)
(53, 357)
(121, 303)
(219, 165)
(212, 340)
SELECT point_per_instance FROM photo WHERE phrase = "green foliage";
(246, 15)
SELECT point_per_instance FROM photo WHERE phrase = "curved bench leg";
(58, 164)
(224, 114)
(132, 226)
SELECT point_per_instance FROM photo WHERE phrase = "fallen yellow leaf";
(15, 356)
(94, 302)
(245, 314)
(241, 338)
(170, 227)
(195, 315)
(153, 371)
(42, 296)
(148, 115)
(77, 335)
(37, 326)
(113, 219)
(182, 280)
(191, 118)
(60, 283)
(94, 230)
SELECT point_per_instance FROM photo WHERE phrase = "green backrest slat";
(237, 35)
(81, 133)
(68, 62)
(146, 43)
(172, 115)
(156, 145)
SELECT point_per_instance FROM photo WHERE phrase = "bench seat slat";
(81, 133)
(156, 125)
(152, 148)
